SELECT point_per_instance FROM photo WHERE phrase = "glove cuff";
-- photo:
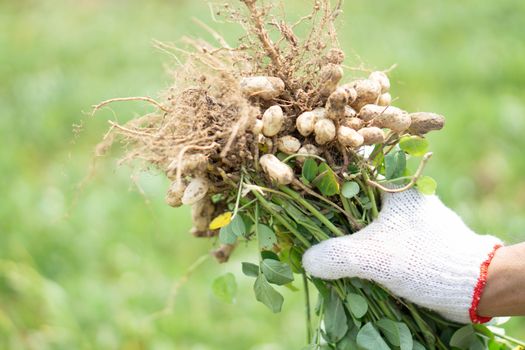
(480, 286)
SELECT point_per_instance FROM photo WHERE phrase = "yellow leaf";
(221, 221)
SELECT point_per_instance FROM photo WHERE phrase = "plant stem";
(510, 339)
(371, 196)
(285, 160)
(431, 339)
(355, 225)
(244, 206)
(281, 219)
(412, 182)
(308, 311)
(297, 197)
(321, 315)
(305, 222)
(352, 210)
(237, 200)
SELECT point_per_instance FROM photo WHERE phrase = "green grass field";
(86, 258)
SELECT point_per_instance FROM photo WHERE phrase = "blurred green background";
(85, 258)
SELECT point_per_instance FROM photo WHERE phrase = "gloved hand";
(418, 249)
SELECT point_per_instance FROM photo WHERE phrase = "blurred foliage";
(88, 256)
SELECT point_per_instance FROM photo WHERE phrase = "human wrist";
(503, 294)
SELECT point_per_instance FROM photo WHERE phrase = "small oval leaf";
(395, 164)
(250, 270)
(426, 185)
(357, 304)
(266, 237)
(463, 337)
(276, 272)
(226, 235)
(414, 145)
(397, 333)
(350, 189)
(225, 287)
(326, 181)
(335, 323)
(310, 169)
(369, 338)
(238, 227)
(267, 295)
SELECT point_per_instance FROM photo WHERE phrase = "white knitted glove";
(417, 248)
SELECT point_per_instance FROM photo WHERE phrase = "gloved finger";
(330, 259)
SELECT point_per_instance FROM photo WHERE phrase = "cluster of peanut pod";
(355, 114)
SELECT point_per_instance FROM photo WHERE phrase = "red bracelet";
(480, 286)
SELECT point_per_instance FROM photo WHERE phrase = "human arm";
(504, 293)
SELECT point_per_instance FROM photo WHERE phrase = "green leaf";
(293, 257)
(417, 346)
(276, 272)
(267, 295)
(238, 227)
(357, 304)
(320, 285)
(266, 237)
(353, 168)
(350, 189)
(349, 340)
(347, 343)
(224, 287)
(310, 169)
(250, 270)
(414, 145)
(226, 235)
(463, 337)
(494, 344)
(395, 164)
(268, 254)
(335, 323)
(397, 333)
(477, 344)
(326, 182)
(369, 338)
(426, 185)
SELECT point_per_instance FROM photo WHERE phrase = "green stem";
(386, 310)
(311, 192)
(340, 289)
(306, 223)
(349, 207)
(308, 311)
(371, 196)
(510, 339)
(437, 319)
(239, 191)
(431, 339)
(297, 197)
(413, 327)
(281, 219)
(321, 316)
(247, 204)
